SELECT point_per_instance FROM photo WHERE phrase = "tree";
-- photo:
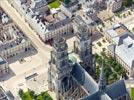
(20, 92)
(97, 71)
(26, 96)
(79, 6)
(127, 3)
(112, 78)
(32, 93)
(66, 2)
(39, 97)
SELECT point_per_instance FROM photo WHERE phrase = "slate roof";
(98, 91)
(3, 95)
(2, 61)
(124, 47)
(117, 89)
(112, 92)
(40, 3)
(97, 96)
(84, 79)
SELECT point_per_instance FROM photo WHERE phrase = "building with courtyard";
(12, 40)
(121, 46)
(14, 44)
(45, 21)
(122, 50)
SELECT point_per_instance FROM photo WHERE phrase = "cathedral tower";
(83, 45)
(59, 72)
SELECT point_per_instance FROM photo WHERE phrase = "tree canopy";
(66, 2)
(128, 2)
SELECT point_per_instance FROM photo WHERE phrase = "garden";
(113, 70)
(30, 95)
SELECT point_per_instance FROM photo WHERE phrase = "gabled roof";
(2, 61)
(112, 92)
(84, 79)
(39, 3)
(116, 89)
(97, 96)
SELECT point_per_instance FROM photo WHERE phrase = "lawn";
(132, 93)
(54, 4)
(30, 95)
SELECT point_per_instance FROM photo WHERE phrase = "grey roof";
(94, 96)
(123, 44)
(112, 31)
(59, 24)
(84, 79)
(11, 44)
(23, 1)
(124, 47)
(2, 61)
(20, 38)
(116, 89)
(40, 3)
(97, 96)
(71, 4)
(3, 95)
(112, 92)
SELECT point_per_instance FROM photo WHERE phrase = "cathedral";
(73, 81)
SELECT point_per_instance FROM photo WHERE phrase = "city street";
(39, 65)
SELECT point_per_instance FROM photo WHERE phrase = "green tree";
(40, 98)
(97, 71)
(26, 96)
(32, 93)
(66, 2)
(20, 92)
(127, 3)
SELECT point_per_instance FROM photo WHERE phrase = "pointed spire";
(102, 80)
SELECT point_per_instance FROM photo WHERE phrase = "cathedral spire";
(102, 79)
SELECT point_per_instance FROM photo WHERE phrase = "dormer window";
(130, 45)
